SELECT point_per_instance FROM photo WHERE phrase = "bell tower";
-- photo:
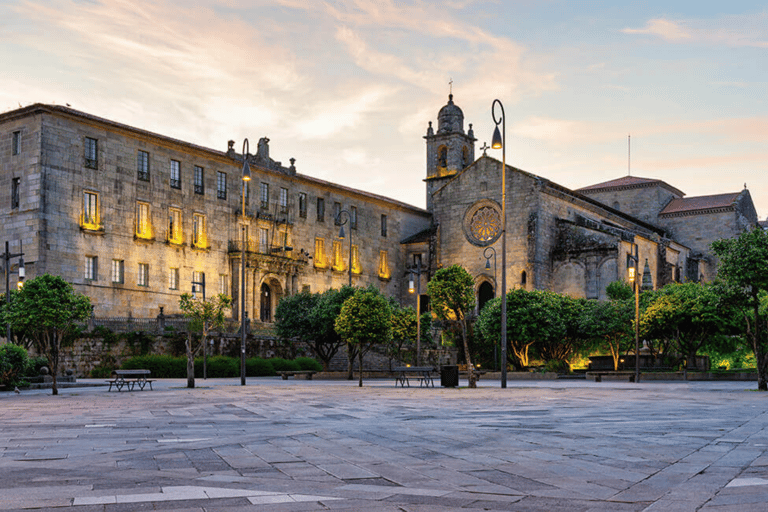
(449, 150)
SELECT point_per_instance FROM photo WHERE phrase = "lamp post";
(499, 141)
(7, 256)
(417, 289)
(633, 278)
(488, 267)
(195, 285)
(341, 236)
(246, 177)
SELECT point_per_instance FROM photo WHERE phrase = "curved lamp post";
(499, 141)
(341, 236)
(246, 177)
(634, 278)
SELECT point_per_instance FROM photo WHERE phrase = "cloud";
(665, 29)
(745, 30)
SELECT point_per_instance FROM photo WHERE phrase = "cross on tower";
(485, 148)
(450, 86)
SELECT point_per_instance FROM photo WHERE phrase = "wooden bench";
(598, 375)
(129, 379)
(295, 373)
(421, 373)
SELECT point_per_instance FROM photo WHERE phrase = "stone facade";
(133, 218)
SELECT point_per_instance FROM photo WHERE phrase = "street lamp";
(633, 278)
(488, 267)
(499, 141)
(246, 178)
(7, 256)
(417, 289)
(341, 236)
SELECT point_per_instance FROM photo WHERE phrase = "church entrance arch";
(485, 292)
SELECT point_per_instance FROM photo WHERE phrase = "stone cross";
(485, 148)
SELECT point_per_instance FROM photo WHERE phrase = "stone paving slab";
(329, 445)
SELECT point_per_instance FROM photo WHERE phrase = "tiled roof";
(693, 204)
(629, 182)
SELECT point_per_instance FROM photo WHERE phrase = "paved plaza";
(277, 445)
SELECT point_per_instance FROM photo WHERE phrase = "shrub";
(13, 364)
(284, 365)
(558, 366)
(35, 363)
(308, 363)
(258, 367)
(218, 367)
(162, 367)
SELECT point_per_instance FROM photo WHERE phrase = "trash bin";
(449, 376)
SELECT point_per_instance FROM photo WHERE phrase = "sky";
(348, 87)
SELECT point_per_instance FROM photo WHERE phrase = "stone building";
(133, 219)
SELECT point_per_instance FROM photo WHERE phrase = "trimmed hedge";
(13, 364)
(168, 367)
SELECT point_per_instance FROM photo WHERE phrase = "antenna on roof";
(629, 147)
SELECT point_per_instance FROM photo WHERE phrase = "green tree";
(47, 309)
(689, 314)
(365, 320)
(744, 269)
(564, 341)
(294, 322)
(207, 315)
(609, 324)
(403, 330)
(619, 290)
(324, 319)
(452, 296)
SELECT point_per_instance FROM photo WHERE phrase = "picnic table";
(421, 373)
(130, 379)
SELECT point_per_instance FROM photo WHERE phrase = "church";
(133, 219)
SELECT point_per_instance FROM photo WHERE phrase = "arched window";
(442, 156)
(523, 278)
(465, 156)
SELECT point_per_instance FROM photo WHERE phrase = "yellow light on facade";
(631, 271)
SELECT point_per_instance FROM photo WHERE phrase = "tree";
(744, 269)
(561, 343)
(365, 320)
(609, 323)
(324, 317)
(451, 294)
(689, 314)
(403, 330)
(207, 315)
(47, 309)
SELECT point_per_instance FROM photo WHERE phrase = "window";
(91, 150)
(15, 185)
(223, 284)
(91, 268)
(264, 194)
(199, 238)
(16, 144)
(117, 271)
(320, 209)
(221, 185)
(264, 240)
(353, 217)
(337, 213)
(175, 174)
(383, 225)
(175, 233)
(143, 277)
(199, 187)
(356, 267)
(173, 278)
(198, 283)
(303, 205)
(383, 265)
(319, 256)
(283, 200)
(338, 256)
(142, 165)
(143, 224)
(90, 218)
(417, 260)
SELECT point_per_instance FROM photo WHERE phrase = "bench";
(598, 375)
(295, 373)
(421, 373)
(129, 379)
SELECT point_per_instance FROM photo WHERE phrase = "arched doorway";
(266, 303)
(484, 294)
